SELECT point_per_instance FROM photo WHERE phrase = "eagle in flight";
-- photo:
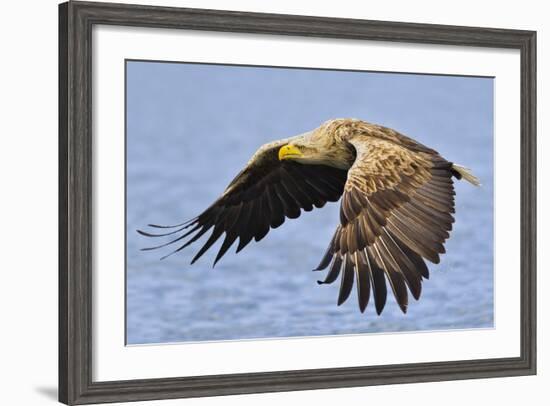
(397, 205)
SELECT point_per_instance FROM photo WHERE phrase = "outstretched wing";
(396, 209)
(260, 197)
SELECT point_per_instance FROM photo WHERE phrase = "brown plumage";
(397, 205)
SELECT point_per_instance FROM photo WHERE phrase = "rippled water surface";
(191, 128)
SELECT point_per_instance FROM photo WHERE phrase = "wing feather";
(346, 282)
(396, 211)
(363, 280)
(258, 199)
(376, 275)
(334, 271)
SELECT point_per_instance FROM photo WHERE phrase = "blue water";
(191, 128)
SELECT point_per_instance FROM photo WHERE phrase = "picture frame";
(76, 256)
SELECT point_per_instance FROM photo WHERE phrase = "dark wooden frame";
(76, 20)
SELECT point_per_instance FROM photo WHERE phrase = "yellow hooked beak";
(289, 151)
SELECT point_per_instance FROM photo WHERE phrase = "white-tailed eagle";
(397, 205)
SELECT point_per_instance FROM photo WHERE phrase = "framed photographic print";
(210, 160)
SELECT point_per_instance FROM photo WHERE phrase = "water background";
(191, 128)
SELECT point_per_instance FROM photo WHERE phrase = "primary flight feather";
(397, 205)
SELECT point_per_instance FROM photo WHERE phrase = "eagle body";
(397, 205)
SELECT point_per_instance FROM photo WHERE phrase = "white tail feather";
(466, 175)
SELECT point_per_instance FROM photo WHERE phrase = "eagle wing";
(396, 209)
(260, 197)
